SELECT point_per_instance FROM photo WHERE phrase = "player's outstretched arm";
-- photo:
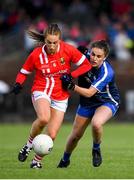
(68, 84)
(87, 92)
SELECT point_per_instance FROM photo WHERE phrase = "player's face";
(97, 57)
(52, 42)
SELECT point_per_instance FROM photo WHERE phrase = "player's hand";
(16, 89)
(67, 82)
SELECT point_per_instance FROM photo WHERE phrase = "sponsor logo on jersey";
(62, 60)
(56, 73)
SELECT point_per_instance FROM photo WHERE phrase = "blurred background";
(81, 22)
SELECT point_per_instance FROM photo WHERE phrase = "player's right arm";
(26, 69)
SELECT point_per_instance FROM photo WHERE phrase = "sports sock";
(96, 145)
(29, 142)
(66, 156)
(37, 158)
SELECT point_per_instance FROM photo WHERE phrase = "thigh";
(55, 121)
(42, 107)
(102, 115)
(58, 109)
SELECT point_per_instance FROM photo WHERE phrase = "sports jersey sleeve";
(80, 60)
(20, 78)
(83, 68)
(104, 78)
(28, 66)
(26, 69)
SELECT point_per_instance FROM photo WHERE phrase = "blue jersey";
(103, 79)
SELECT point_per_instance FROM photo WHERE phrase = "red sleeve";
(83, 68)
(20, 78)
(26, 69)
(80, 60)
(28, 66)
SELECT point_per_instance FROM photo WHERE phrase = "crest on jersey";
(62, 60)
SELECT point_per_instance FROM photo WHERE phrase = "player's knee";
(43, 120)
(96, 126)
(52, 134)
(76, 137)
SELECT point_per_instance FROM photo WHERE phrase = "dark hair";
(102, 44)
(82, 49)
(52, 29)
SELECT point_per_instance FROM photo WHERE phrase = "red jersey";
(48, 69)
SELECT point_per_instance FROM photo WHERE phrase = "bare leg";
(54, 123)
(52, 129)
(101, 116)
(79, 126)
(42, 108)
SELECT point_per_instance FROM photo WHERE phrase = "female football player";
(49, 61)
(99, 101)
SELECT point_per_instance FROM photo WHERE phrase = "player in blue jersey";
(99, 101)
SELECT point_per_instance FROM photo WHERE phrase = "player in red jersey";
(50, 60)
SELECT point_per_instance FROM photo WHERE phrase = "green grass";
(117, 150)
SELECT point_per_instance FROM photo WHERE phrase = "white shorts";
(59, 105)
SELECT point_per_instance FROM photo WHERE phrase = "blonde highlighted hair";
(52, 29)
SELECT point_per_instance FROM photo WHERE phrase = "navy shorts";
(88, 112)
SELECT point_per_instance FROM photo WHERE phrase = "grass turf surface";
(117, 150)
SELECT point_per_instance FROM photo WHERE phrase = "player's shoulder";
(108, 64)
(37, 50)
(108, 67)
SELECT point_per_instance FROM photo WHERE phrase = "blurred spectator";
(99, 34)
(120, 7)
(100, 6)
(75, 30)
(82, 21)
(121, 41)
(4, 90)
(58, 12)
(130, 32)
(77, 7)
(36, 7)
(41, 24)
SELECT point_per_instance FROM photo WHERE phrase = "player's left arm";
(97, 86)
(87, 92)
(82, 63)
(83, 68)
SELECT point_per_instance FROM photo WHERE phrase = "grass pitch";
(117, 150)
